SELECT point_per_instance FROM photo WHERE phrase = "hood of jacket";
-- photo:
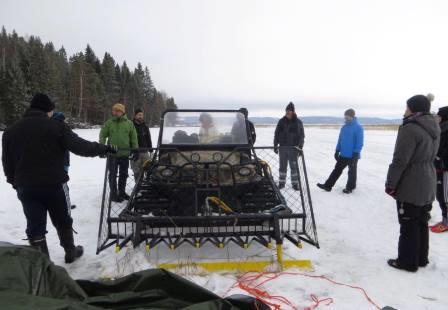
(444, 126)
(426, 121)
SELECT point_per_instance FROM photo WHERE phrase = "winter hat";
(244, 111)
(138, 111)
(443, 113)
(419, 103)
(119, 107)
(42, 102)
(430, 97)
(350, 112)
(290, 107)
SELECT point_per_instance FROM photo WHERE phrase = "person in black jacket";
(441, 164)
(33, 153)
(289, 135)
(144, 141)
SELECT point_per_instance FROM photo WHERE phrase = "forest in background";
(82, 85)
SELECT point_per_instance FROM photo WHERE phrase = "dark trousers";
(341, 164)
(39, 200)
(118, 166)
(289, 156)
(442, 192)
(413, 245)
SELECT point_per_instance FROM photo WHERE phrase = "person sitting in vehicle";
(208, 132)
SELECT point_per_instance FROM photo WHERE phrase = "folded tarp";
(29, 280)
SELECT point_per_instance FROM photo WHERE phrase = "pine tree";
(82, 85)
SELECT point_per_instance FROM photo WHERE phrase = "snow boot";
(281, 185)
(347, 191)
(296, 187)
(72, 252)
(124, 196)
(115, 198)
(439, 228)
(394, 263)
(40, 245)
(122, 189)
(324, 187)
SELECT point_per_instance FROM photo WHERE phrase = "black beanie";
(244, 112)
(443, 113)
(419, 103)
(290, 107)
(42, 102)
(138, 111)
(350, 112)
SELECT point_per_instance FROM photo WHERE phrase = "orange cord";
(252, 282)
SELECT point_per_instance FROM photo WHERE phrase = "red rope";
(252, 283)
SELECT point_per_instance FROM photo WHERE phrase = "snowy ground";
(357, 234)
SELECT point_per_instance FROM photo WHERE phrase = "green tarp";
(29, 280)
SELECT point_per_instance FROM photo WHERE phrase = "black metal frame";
(122, 224)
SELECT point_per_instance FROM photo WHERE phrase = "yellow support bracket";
(241, 266)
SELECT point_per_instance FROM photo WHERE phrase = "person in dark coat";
(59, 116)
(33, 154)
(138, 160)
(441, 164)
(288, 138)
(348, 152)
(411, 181)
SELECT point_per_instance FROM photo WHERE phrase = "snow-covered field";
(357, 234)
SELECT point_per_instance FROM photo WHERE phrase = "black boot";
(347, 191)
(122, 188)
(281, 185)
(324, 187)
(72, 252)
(395, 263)
(115, 198)
(40, 245)
(296, 187)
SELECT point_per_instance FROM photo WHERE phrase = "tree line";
(82, 85)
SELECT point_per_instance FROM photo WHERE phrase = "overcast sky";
(324, 56)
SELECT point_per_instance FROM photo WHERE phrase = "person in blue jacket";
(348, 150)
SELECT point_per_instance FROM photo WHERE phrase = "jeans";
(37, 201)
(118, 165)
(341, 164)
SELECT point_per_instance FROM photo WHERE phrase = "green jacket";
(121, 132)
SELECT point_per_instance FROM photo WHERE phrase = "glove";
(336, 155)
(391, 192)
(111, 149)
(134, 156)
(275, 150)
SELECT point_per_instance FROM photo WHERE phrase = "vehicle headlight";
(167, 173)
(217, 157)
(195, 157)
(244, 171)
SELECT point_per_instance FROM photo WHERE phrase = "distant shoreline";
(391, 127)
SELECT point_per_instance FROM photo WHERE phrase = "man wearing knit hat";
(411, 181)
(348, 152)
(289, 135)
(33, 157)
(441, 164)
(119, 131)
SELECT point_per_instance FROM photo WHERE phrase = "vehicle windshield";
(202, 128)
